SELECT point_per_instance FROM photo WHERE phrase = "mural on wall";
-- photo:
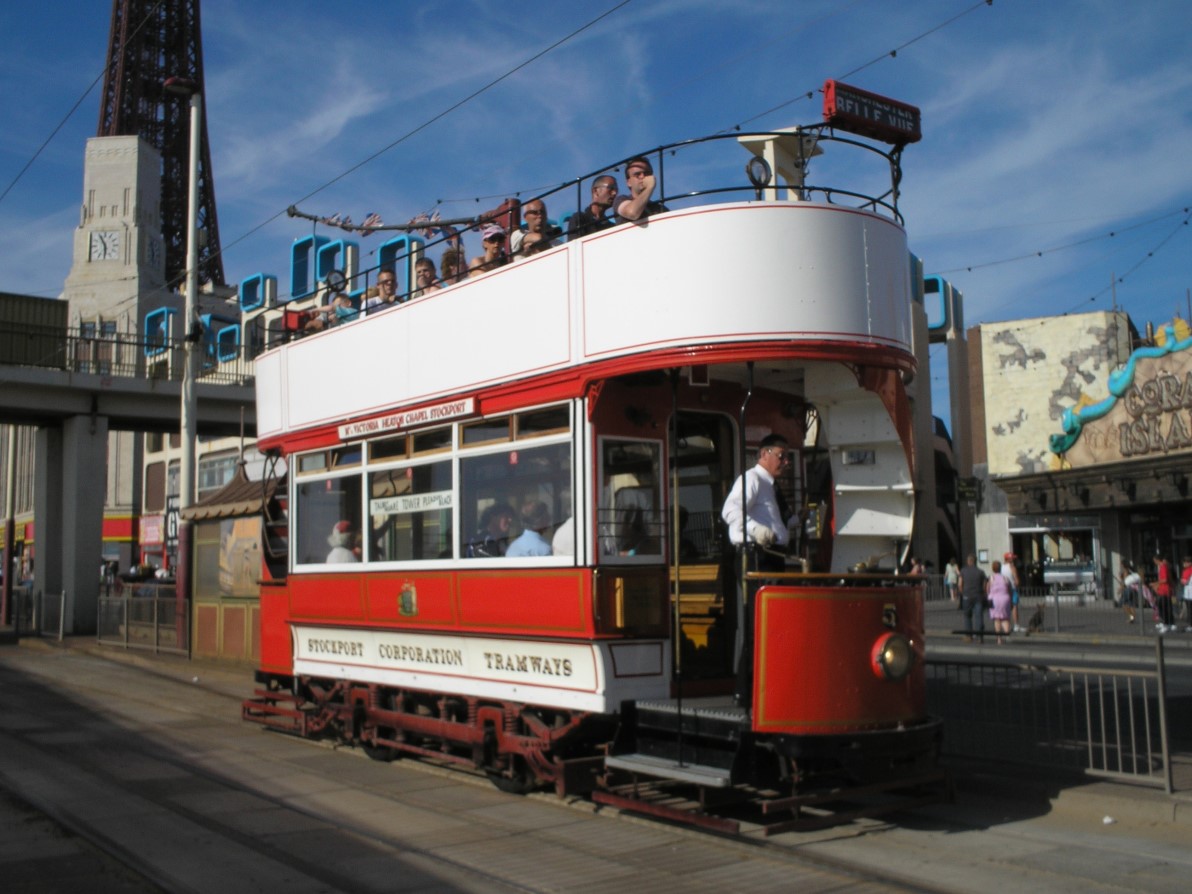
(1036, 371)
(1147, 413)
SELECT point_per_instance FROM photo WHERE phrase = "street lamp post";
(191, 335)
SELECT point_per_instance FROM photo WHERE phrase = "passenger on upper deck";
(424, 275)
(535, 214)
(534, 243)
(639, 180)
(452, 266)
(593, 218)
(535, 519)
(338, 310)
(493, 238)
(386, 295)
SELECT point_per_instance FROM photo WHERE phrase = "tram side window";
(328, 520)
(629, 514)
(514, 479)
(410, 513)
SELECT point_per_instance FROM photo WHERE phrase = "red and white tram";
(619, 384)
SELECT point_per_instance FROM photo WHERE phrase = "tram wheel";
(382, 753)
(521, 782)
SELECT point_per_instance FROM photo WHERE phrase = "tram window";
(410, 513)
(433, 441)
(346, 456)
(515, 478)
(327, 508)
(629, 514)
(486, 430)
(390, 448)
(705, 460)
(550, 421)
(312, 462)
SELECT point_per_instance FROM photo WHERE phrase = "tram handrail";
(818, 132)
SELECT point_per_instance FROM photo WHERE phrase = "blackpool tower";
(151, 41)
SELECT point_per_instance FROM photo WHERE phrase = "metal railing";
(35, 615)
(146, 617)
(120, 354)
(1100, 722)
(1079, 611)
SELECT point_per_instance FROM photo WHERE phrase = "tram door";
(707, 617)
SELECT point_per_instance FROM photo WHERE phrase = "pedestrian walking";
(974, 586)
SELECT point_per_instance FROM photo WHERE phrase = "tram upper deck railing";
(847, 172)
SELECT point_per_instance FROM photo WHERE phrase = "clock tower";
(118, 268)
(117, 275)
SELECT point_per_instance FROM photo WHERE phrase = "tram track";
(191, 731)
(160, 749)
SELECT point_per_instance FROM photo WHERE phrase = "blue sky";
(1048, 124)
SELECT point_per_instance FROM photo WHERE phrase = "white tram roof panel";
(802, 272)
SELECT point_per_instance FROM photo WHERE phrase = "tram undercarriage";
(698, 764)
(520, 747)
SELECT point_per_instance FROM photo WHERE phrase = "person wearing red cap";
(1010, 573)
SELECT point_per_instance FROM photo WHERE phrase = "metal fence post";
(1164, 746)
(61, 616)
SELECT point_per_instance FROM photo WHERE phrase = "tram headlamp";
(893, 657)
(757, 169)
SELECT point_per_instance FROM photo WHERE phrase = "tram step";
(719, 723)
(664, 768)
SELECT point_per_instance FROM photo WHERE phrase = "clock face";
(105, 245)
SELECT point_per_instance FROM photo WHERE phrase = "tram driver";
(757, 526)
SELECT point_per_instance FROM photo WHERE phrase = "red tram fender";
(816, 672)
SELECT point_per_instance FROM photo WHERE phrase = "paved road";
(155, 767)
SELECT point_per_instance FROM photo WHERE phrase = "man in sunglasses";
(757, 526)
(594, 217)
(639, 204)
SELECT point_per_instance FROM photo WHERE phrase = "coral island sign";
(1147, 413)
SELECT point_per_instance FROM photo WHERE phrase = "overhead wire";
(476, 93)
(889, 54)
(709, 70)
(21, 173)
(425, 124)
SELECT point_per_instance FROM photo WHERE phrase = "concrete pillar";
(47, 511)
(69, 481)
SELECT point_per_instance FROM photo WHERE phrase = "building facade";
(1083, 436)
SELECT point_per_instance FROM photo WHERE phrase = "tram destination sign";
(408, 419)
(870, 115)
